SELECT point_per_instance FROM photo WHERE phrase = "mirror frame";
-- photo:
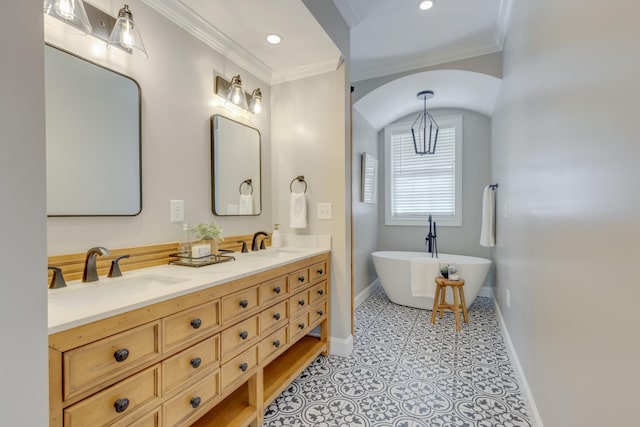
(139, 142)
(214, 170)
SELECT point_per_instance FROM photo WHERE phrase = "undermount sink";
(275, 252)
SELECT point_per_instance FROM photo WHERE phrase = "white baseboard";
(532, 409)
(341, 346)
(486, 291)
(362, 296)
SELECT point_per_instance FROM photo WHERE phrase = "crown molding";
(180, 14)
(286, 75)
(348, 11)
(504, 15)
(375, 69)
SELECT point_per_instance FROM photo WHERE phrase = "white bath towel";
(298, 210)
(423, 276)
(245, 206)
(488, 231)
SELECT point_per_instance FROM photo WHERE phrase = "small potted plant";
(209, 233)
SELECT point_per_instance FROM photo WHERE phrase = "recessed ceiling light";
(274, 38)
(426, 4)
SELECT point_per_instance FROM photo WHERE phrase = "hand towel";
(298, 210)
(245, 206)
(423, 276)
(488, 231)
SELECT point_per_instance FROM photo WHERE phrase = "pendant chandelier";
(425, 129)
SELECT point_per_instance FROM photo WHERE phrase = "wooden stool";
(440, 304)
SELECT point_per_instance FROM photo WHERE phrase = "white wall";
(177, 87)
(308, 138)
(365, 215)
(476, 174)
(23, 296)
(565, 152)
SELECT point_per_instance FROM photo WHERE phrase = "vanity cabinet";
(213, 357)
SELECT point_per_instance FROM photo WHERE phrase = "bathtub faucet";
(432, 243)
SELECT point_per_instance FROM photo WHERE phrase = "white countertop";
(80, 303)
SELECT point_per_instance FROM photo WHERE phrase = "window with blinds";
(419, 185)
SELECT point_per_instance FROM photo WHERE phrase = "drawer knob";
(320, 271)
(244, 335)
(301, 325)
(244, 367)
(277, 289)
(121, 355)
(244, 303)
(276, 316)
(300, 278)
(320, 291)
(196, 323)
(301, 302)
(121, 405)
(276, 343)
(195, 402)
(196, 362)
(320, 312)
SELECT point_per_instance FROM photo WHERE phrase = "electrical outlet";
(508, 298)
(176, 213)
(324, 211)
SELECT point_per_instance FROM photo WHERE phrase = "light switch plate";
(324, 211)
(176, 210)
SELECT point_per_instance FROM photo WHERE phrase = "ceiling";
(387, 37)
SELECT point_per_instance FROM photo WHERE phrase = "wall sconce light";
(121, 33)
(425, 129)
(234, 93)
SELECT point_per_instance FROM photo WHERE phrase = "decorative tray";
(183, 259)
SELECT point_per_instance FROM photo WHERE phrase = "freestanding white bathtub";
(394, 272)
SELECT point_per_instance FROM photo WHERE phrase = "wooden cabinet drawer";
(298, 279)
(152, 419)
(317, 271)
(274, 317)
(239, 368)
(274, 344)
(239, 337)
(318, 292)
(192, 361)
(273, 290)
(190, 402)
(117, 401)
(298, 303)
(189, 325)
(318, 312)
(239, 304)
(298, 326)
(94, 363)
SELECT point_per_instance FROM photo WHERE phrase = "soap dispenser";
(276, 238)
(184, 248)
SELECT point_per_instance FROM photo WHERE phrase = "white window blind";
(420, 185)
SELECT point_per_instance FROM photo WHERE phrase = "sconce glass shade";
(69, 12)
(255, 105)
(236, 93)
(425, 129)
(126, 35)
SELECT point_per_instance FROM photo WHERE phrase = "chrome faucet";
(90, 273)
(254, 241)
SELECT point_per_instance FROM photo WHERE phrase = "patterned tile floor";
(406, 372)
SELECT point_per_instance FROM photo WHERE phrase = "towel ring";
(299, 178)
(249, 184)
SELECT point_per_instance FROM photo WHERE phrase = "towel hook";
(493, 186)
(249, 184)
(299, 178)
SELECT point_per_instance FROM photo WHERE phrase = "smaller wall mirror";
(235, 173)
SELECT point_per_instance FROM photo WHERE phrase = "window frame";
(405, 128)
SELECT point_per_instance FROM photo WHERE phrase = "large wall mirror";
(235, 172)
(93, 138)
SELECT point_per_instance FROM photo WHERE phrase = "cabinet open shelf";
(234, 411)
(286, 368)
